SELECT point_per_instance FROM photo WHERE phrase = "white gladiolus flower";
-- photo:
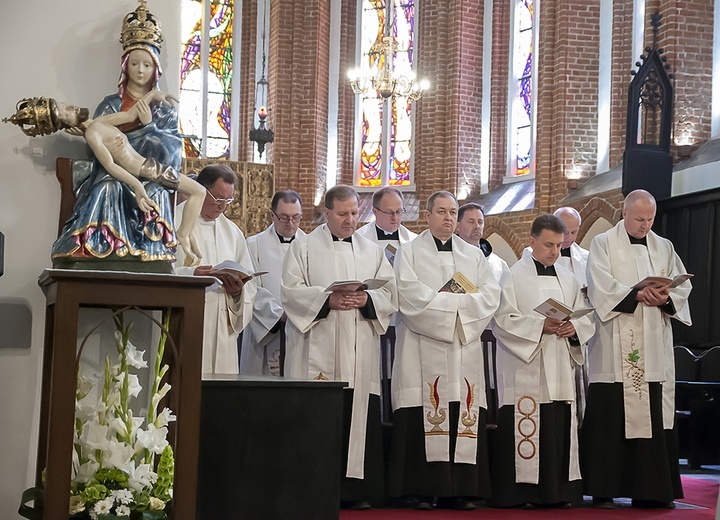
(134, 387)
(117, 455)
(118, 425)
(153, 439)
(94, 436)
(141, 477)
(134, 357)
(162, 392)
(86, 472)
(164, 418)
(84, 385)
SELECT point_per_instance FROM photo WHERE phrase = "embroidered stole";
(631, 263)
(436, 372)
(344, 359)
(531, 390)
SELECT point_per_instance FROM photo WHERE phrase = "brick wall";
(499, 91)
(346, 97)
(447, 118)
(686, 34)
(622, 59)
(299, 68)
(567, 97)
(247, 79)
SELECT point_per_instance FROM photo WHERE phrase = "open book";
(551, 308)
(233, 268)
(660, 281)
(355, 285)
(459, 284)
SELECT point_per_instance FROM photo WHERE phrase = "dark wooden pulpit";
(270, 448)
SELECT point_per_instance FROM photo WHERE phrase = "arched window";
(384, 126)
(521, 128)
(206, 74)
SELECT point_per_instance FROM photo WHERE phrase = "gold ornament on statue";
(140, 27)
(35, 116)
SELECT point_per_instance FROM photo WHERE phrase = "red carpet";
(699, 503)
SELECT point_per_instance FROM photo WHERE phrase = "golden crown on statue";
(140, 27)
(35, 116)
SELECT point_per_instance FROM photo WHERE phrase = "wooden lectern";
(66, 291)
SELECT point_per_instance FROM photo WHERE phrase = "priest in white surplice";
(628, 442)
(336, 335)
(439, 446)
(262, 339)
(470, 227)
(228, 307)
(387, 230)
(534, 453)
(574, 258)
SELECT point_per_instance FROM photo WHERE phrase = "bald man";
(628, 440)
(572, 256)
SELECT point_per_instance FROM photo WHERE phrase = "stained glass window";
(522, 69)
(217, 90)
(385, 156)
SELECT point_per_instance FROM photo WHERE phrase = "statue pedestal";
(66, 292)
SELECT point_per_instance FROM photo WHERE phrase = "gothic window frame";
(194, 127)
(385, 126)
(515, 76)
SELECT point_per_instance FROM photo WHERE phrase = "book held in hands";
(459, 284)
(355, 285)
(661, 282)
(232, 268)
(551, 308)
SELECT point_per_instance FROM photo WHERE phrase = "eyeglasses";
(286, 219)
(220, 202)
(398, 213)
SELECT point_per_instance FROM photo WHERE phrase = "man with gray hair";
(334, 334)
(572, 256)
(439, 446)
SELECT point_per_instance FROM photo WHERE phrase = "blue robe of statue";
(106, 218)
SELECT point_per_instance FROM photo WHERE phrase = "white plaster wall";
(68, 50)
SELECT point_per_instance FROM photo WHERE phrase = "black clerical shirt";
(629, 303)
(447, 246)
(550, 271)
(544, 271)
(284, 240)
(384, 235)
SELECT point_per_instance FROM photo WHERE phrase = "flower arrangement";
(123, 466)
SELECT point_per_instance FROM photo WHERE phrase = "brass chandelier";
(387, 81)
